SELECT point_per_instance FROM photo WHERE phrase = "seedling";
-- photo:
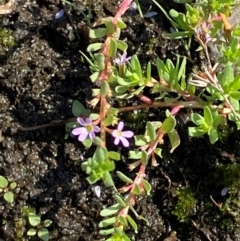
(6, 188)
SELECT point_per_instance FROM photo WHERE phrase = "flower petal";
(124, 141)
(88, 121)
(77, 131)
(81, 121)
(115, 133)
(120, 126)
(96, 129)
(116, 141)
(83, 136)
(127, 134)
(92, 135)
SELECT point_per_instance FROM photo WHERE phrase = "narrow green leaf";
(104, 89)
(106, 222)
(135, 64)
(110, 210)
(100, 58)
(144, 158)
(107, 179)
(136, 189)
(158, 151)
(97, 33)
(123, 220)
(197, 119)
(208, 116)
(120, 200)
(147, 186)
(100, 154)
(94, 47)
(113, 48)
(213, 135)
(133, 223)
(121, 45)
(114, 155)
(106, 231)
(123, 177)
(149, 71)
(178, 35)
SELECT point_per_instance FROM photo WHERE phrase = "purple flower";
(87, 129)
(122, 59)
(120, 135)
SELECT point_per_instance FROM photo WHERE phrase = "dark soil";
(40, 76)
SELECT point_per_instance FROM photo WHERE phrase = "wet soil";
(40, 76)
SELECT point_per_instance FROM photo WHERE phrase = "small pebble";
(97, 191)
(150, 14)
(59, 14)
(224, 191)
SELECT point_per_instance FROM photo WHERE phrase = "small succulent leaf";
(104, 89)
(150, 131)
(87, 143)
(135, 64)
(213, 135)
(123, 220)
(235, 94)
(136, 189)
(177, 35)
(3, 182)
(34, 219)
(235, 103)
(43, 234)
(149, 71)
(97, 141)
(97, 33)
(77, 108)
(31, 232)
(197, 119)
(107, 179)
(112, 48)
(106, 231)
(120, 200)
(124, 178)
(47, 223)
(94, 76)
(168, 124)
(147, 186)
(174, 140)
(158, 151)
(107, 222)
(196, 131)
(100, 58)
(110, 210)
(8, 196)
(100, 154)
(121, 45)
(144, 158)
(208, 116)
(94, 47)
(135, 154)
(13, 185)
(133, 223)
(114, 155)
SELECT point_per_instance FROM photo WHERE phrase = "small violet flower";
(120, 135)
(87, 129)
(122, 59)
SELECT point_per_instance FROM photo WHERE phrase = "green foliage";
(6, 188)
(6, 40)
(185, 204)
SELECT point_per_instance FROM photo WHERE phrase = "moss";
(6, 40)
(185, 204)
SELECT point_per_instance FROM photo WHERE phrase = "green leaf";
(168, 124)
(123, 177)
(34, 219)
(174, 140)
(110, 210)
(107, 179)
(8, 196)
(149, 70)
(100, 58)
(208, 116)
(136, 67)
(106, 231)
(158, 151)
(147, 186)
(104, 89)
(197, 119)
(3, 182)
(107, 222)
(97, 141)
(235, 94)
(177, 35)
(112, 48)
(234, 103)
(196, 131)
(120, 200)
(144, 158)
(133, 223)
(43, 234)
(47, 223)
(151, 131)
(135, 154)
(213, 135)
(93, 77)
(94, 47)
(97, 33)
(122, 45)
(13, 185)
(136, 189)
(77, 108)
(141, 140)
(114, 155)
(31, 232)
(87, 143)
